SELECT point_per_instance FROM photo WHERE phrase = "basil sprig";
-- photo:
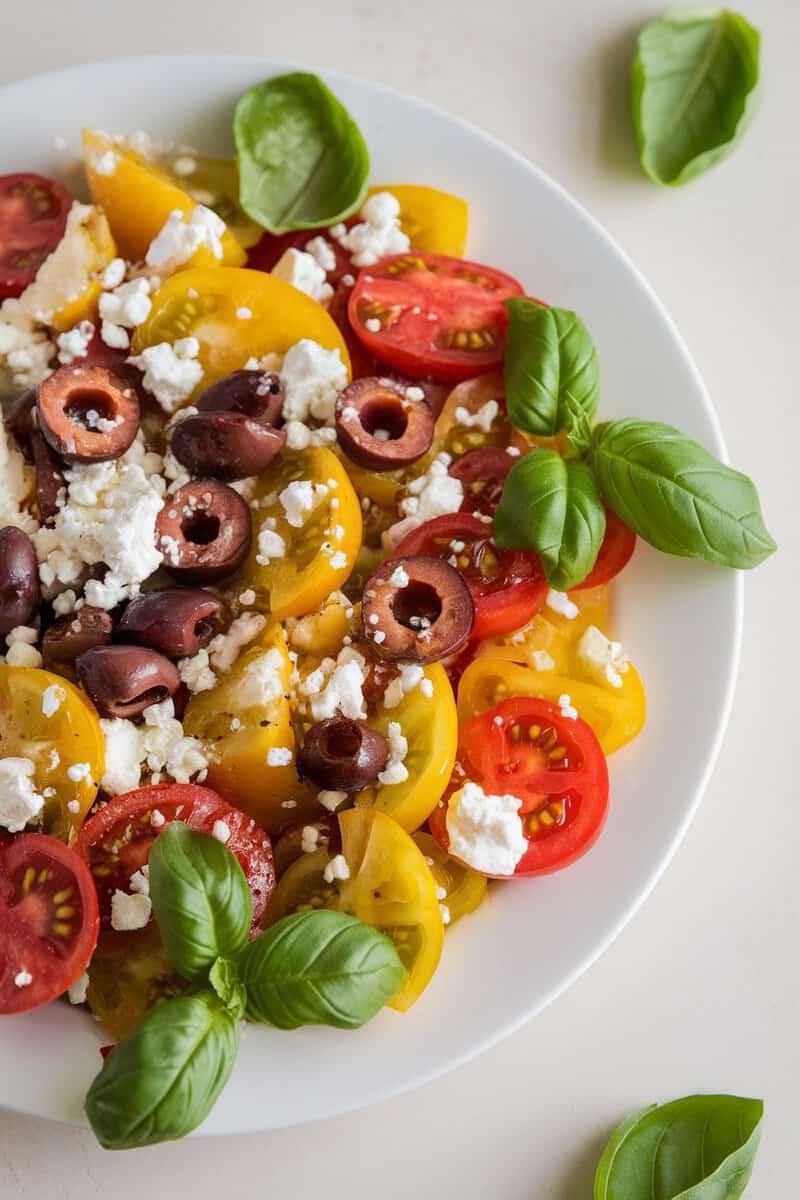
(550, 366)
(692, 86)
(301, 157)
(553, 507)
(312, 968)
(697, 1148)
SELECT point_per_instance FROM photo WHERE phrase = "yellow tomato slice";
(616, 715)
(66, 288)
(203, 302)
(71, 736)
(435, 221)
(450, 435)
(321, 633)
(128, 975)
(430, 725)
(321, 553)
(137, 196)
(213, 182)
(553, 633)
(390, 887)
(239, 738)
(464, 890)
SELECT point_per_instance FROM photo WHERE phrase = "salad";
(308, 537)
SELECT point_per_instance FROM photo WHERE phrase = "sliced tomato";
(116, 841)
(553, 763)
(33, 217)
(483, 473)
(618, 545)
(508, 586)
(48, 920)
(436, 316)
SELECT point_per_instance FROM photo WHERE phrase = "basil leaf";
(319, 968)
(677, 496)
(200, 897)
(224, 979)
(553, 507)
(302, 159)
(550, 361)
(697, 1148)
(164, 1077)
(692, 86)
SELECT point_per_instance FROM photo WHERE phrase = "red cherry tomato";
(426, 314)
(483, 473)
(48, 920)
(116, 842)
(527, 748)
(508, 586)
(33, 216)
(615, 552)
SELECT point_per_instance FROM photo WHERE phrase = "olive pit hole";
(416, 605)
(384, 414)
(341, 741)
(200, 528)
(87, 407)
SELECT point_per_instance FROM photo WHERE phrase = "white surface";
(697, 994)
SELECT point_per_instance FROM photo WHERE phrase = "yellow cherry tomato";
(389, 887)
(454, 437)
(213, 182)
(66, 288)
(203, 303)
(128, 975)
(138, 196)
(464, 890)
(239, 737)
(321, 633)
(430, 726)
(552, 633)
(435, 221)
(320, 554)
(71, 737)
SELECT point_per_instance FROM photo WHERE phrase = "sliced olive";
(87, 413)
(255, 394)
(123, 681)
(342, 755)
(51, 486)
(225, 445)
(203, 531)
(417, 608)
(177, 621)
(379, 427)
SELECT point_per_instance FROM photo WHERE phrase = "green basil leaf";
(692, 86)
(200, 897)
(697, 1148)
(319, 968)
(550, 361)
(164, 1077)
(302, 159)
(224, 979)
(677, 496)
(553, 507)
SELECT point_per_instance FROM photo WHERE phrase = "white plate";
(680, 621)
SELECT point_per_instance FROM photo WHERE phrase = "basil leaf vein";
(200, 898)
(319, 968)
(301, 157)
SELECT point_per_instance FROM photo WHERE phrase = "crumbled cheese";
(445, 914)
(395, 770)
(140, 881)
(279, 756)
(323, 252)
(181, 237)
(542, 661)
(604, 659)
(74, 343)
(485, 831)
(300, 436)
(377, 235)
(482, 418)
(21, 653)
(343, 691)
(244, 313)
(430, 495)
(160, 744)
(303, 271)
(270, 545)
(331, 799)
(199, 671)
(106, 163)
(426, 687)
(337, 868)
(171, 373)
(15, 483)
(20, 803)
(567, 708)
(411, 676)
(123, 755)
(561, 603)
(309, 839)
(221, 831)
(25, 350)
(77, 990)
(123, 308)
(299, 498)
(312, 378)
(79, 771)
(399, 577)
(23, 979)
(114, 274)
(129, 912)
(157, 819)
(339, 561)
(247, 598)
(262, 680)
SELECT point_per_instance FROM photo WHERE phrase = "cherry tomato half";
(508, 586)
(33, 216)
(48, 920)
(483, 473)
(554, 764)
(436, 316)
(618, 545)
(116, 841)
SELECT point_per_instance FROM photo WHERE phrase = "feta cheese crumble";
(395, 770)
(377, 234)
(482, 418)
(182, 236)
(279, 756)
(430, 495)
(221, 831)
(299, 498)
(331, 799)
(604, 659)
(561, 603)
(160, 745)
(304, 272)
(20, 803)
(171, 373)
(74, 343)
(129, 912)
(312, 378)
(485, 831)
(337, 868)
(23, 979)
(77, 990)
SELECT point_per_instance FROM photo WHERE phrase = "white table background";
(700, 991)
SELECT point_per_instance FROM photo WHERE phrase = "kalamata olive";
(418, 608)
(125, 680)
(50, 482)
(69, 636)
(87, 413)
(175, 621)
(297, 840)
(341, 755)
(380, 427)
(19, 579)
(203, 531)
(255, 394)
(225, 445)
(18, 415)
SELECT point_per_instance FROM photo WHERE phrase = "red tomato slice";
(116, 841)
(508, 586)
(483, 473)
(426, 314)
(554, 764)
(618, 545)
(33, 216)
(48, 920)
